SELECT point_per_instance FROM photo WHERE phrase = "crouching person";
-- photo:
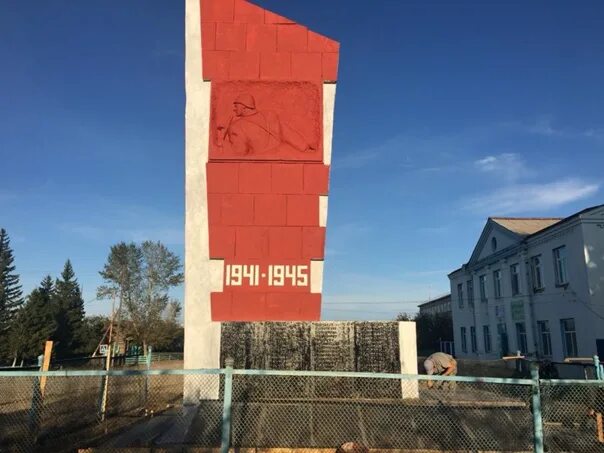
(441, 364)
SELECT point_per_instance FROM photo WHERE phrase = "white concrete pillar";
(408, 357)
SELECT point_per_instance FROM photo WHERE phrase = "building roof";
(530, 227)
(525, 226)
(438, 299)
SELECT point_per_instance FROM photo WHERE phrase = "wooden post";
(45, 365)
(599, 424)
(106, 385)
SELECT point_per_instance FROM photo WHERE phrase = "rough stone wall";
(316, 346)
(319, 346)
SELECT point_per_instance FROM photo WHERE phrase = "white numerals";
(281, 275)
(237, 273)
(302, 276)
(275, 275)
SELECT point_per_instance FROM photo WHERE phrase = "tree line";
(430, 329)
(137, 277)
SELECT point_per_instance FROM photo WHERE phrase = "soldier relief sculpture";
(272, 123)
(251, 131)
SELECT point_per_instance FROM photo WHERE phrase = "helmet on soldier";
(245, 99)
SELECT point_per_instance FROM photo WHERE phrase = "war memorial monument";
(260, 97)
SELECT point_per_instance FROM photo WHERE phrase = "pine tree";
(10, 290)
(36, 321)
(69, 306)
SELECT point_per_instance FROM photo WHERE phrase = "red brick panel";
(275, 65)
(223, 177)
(254, 177)
(270, 209)
(313, 242)
(244, 65)
(330, 66)
(221, 306)
(285, 243)
(287, 307)
(316, 179)
(320, 43)
(215, 64)
(208, 36)
(292, 38)
(283, 306)
(302, 210)
(249, 306)
(306, 66)
(217, 10)
(222, 241)
(251, 243)
(310, 307)
(286, 50)
(272, 18)
(248, 13)
(214, 204)
(230, 36)
(265, 307)
(237, 209)
(287, 178)
(261, 38)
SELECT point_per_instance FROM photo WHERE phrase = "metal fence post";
(536, 409)
(598, 367)
(226, 410)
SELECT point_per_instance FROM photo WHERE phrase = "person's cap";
(429, 366)
(246, 100)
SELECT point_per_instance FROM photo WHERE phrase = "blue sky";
(446, 113)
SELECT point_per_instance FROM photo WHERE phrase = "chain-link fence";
(161, 409)
(573, 414)
(323, 411)
(67, 411)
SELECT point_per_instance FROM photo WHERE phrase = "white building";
(534, 285)
(440, 305)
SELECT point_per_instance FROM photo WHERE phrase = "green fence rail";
(232, 408)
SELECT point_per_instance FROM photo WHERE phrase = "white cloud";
(523, 198)
(543, 126)
(597, 134)
(509, 166)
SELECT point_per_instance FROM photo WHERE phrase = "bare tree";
(141, 276)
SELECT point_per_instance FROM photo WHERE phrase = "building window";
(545, 339)
(487, 338)
(460, 295)
(473, 339)
(494, 244)
(569, 337)
(515, 276)
(497, 284)
(521, 337)
(464, 343)
(537, 273)
(470, 289)
(502, 336)
(560, 265)
(482, 282)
